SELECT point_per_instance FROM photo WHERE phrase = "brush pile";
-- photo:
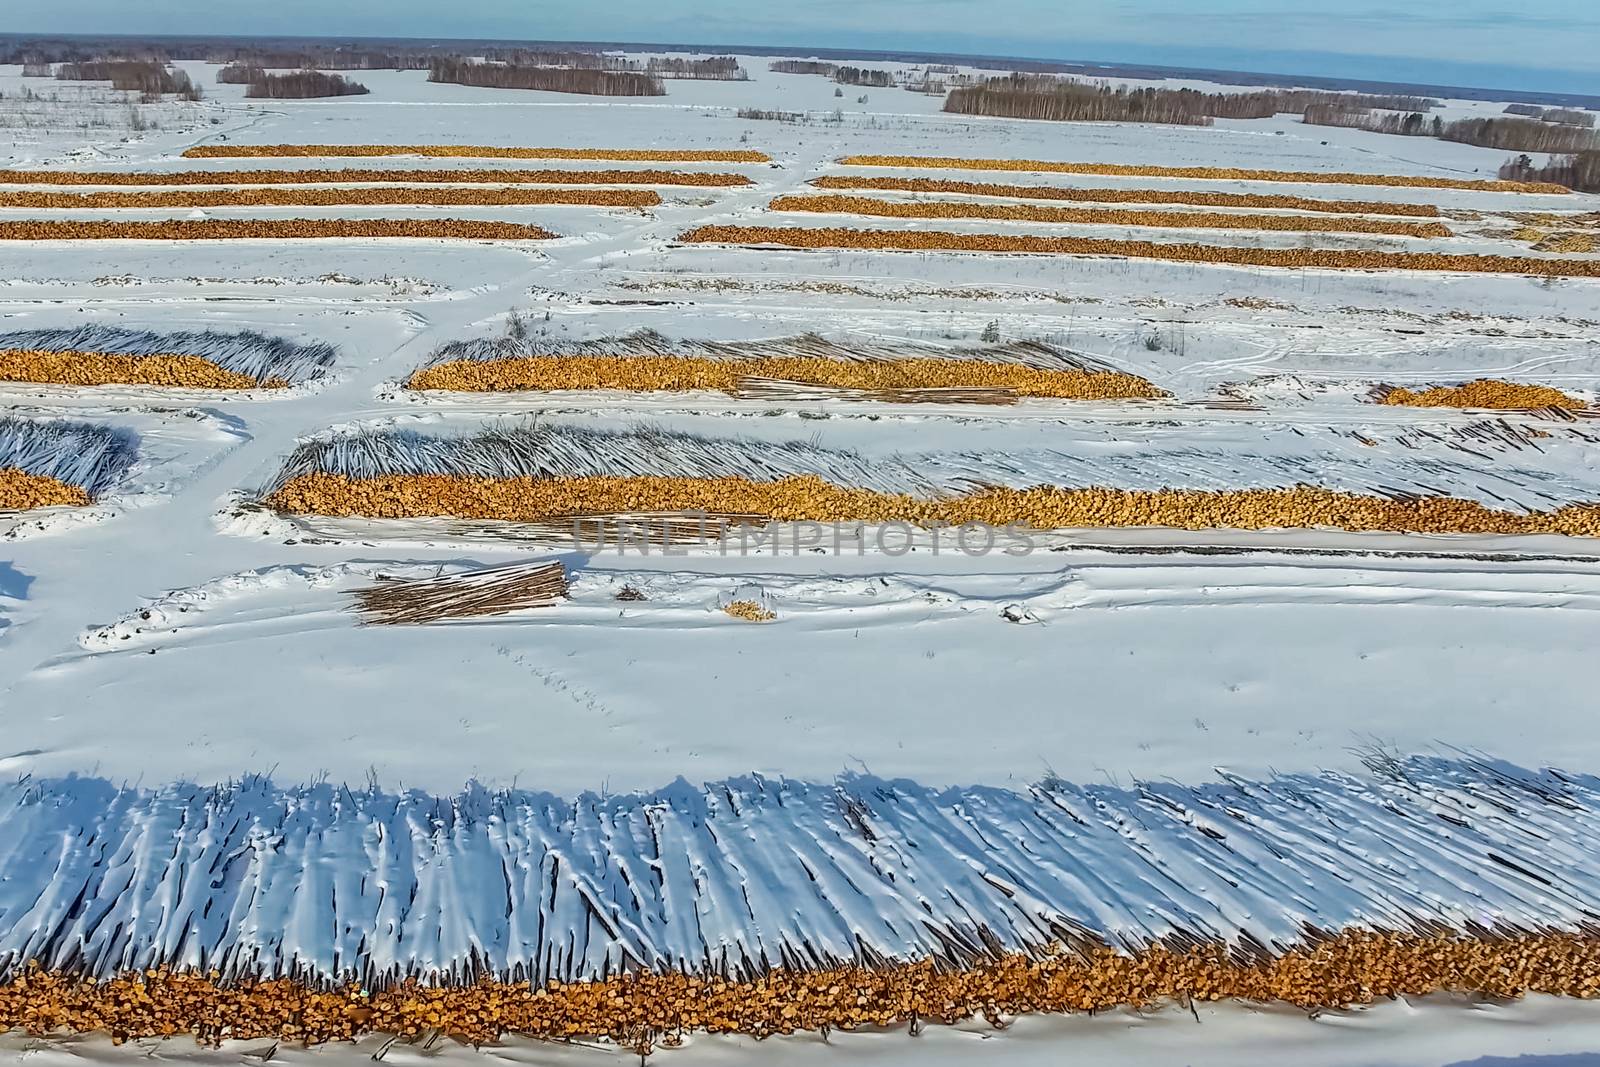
(435, 196)
(649, 362)
(389, 177)
(1486, 393)
(1293, 258)
(1200, 220)
(472, 594)
(271, 229)
(105, 355)
(467, 151)
(59, 463)
(1188, 197)
(1308, 177)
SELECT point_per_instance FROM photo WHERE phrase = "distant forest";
(713, 68)
(717, 68)
(1032, 96)
(240, 74)
(1511, 134)
(549, 79)
(148, 76)
(372, 53)
(872, 79)
(1566, 116)
(304, 85)
(803, 66)
(536, 57)
(320, 59)
(1580, 171)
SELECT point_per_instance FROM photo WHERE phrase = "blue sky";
(1552, 44)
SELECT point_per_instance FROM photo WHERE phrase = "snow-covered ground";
(1433, 1032)
(172, 634)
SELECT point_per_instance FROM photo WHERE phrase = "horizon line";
(881, 54)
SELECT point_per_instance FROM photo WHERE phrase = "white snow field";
(182, 669)
(1435, 1032)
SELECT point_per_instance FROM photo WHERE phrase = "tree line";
(548, 79)
(1033, 96)
(1023, 98)
(803, 66)
(1511, 134)
(302, 85)
(872, 79)
(1564, 115)
(149, 77)
(239, 74)
(534, 57)
(1521, 135)
(713, 68)
(321, 59)
(716, 68)
(1405, 124)
(1579, 171)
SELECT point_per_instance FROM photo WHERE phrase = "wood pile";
(109, 368)
(1294, 258)
(1201, 220)
(481, 176)
(1314, 177)
(1485, 393)
(748, 611)
(268, 229)
(1191, 197)
(21, 491)
(646, 1010)
(467, 151)
(676, 374)
(808, 498)
(438, 195)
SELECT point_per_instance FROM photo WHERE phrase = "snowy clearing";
(173, 636)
